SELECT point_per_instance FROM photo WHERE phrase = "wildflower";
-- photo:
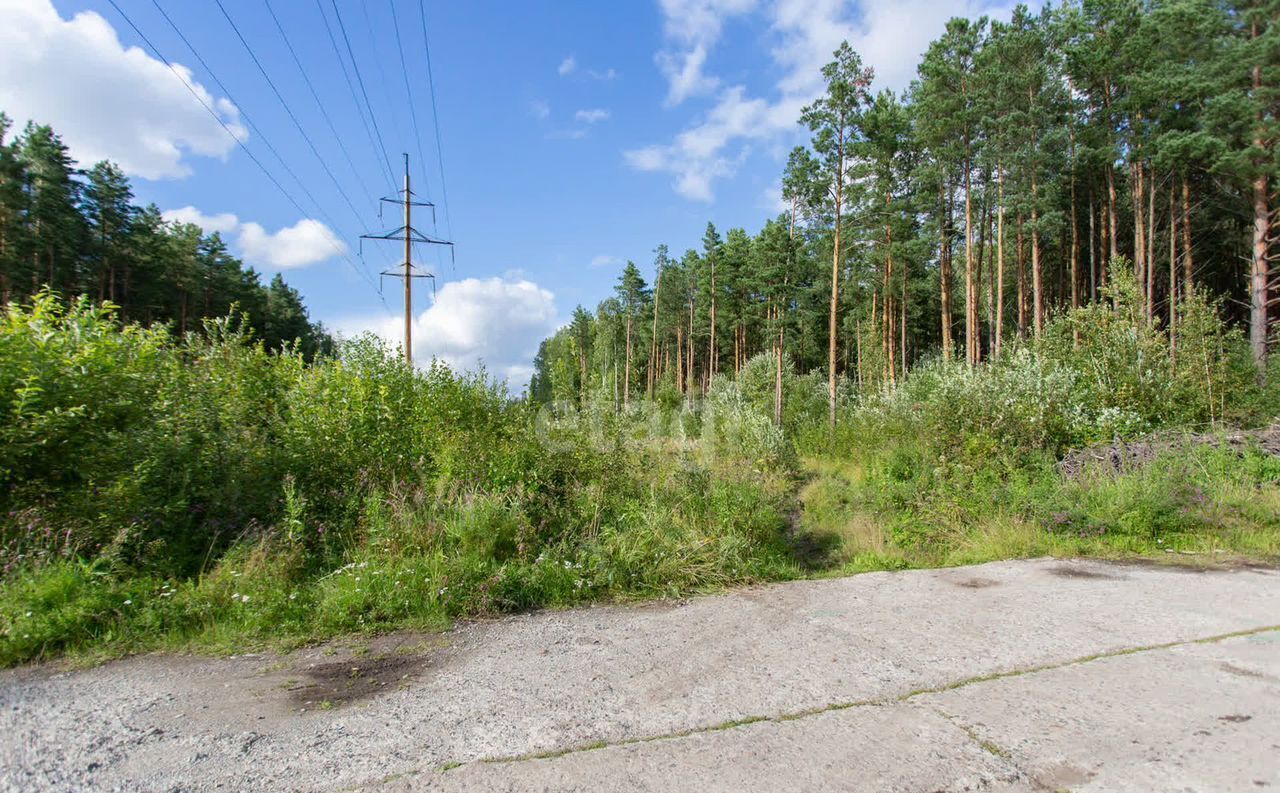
(128, 602)
(244, 598)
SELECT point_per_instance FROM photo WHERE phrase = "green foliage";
(79, 233)
(202, 489)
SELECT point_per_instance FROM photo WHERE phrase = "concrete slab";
(1198, 717)
(556, 681)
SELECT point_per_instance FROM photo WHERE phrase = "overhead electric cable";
(359, 79)
(435, 118)
(408, 89)
(226, 92)
(351, 87)
(320, 104)
(231, 133)
(288, 110)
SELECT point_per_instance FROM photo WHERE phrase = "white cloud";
(567, 66)
(605, 75)
(497, 322)
(890, 35)
(539, 109)
(105, 101)
(224, 223)
(592, 116)
(304, 243)
(698, 156)
(693, 27)
(605, 260)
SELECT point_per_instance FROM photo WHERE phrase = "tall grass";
(158, 491)
(200, 489)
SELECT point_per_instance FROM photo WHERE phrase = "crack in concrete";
(880, 701)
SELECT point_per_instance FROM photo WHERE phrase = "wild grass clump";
(161, 491)
(960, 463)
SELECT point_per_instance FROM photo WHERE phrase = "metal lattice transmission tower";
(406, 269)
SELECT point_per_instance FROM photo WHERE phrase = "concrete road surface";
(1038, 675)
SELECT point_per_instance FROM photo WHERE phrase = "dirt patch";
(1077, 571)
(1235, 718)
(1240, 671)
(976, 583)
(342, 682)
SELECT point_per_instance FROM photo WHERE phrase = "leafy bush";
(160, 489)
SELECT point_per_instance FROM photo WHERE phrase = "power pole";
(406, 269)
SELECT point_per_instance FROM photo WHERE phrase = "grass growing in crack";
(890, 700)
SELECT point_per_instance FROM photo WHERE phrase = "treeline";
(1028, 162)
(78, 233)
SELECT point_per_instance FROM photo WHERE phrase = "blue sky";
(575, 135)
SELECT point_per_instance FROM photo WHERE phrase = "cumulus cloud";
(106, 101)
(304, 243)
(602, 74)
(692, 28)
(567, 66)
(494, 322)
(224, 223)
(605, 260)
(890, 35)
(593, 116)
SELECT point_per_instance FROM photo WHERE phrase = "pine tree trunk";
(777, 381)
(945, 270)
(835, 295)
(1022, 283)
(1075, 250)
(970, 287)
(1150, 257)
(1173, 275)
(1259, 271)
(1000, 264)
(889, 336)
(984, 216)
(1188, 267)
(653, 344)
(680, 358)
(1093, 253)
(1037, 269)
(902, 325)
(1139, 243)
(690, 363)
(1113, 220)
(626, 374)
(711, 351)
(857, 340)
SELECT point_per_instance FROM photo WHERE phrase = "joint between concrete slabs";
(836, 706)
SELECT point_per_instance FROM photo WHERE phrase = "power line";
(435, 117)
(301, 130)
(359, 79)
(393, 106)
(316, 96)
(355, 99)
(288, 196)
(226, 91)
(408, 89)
